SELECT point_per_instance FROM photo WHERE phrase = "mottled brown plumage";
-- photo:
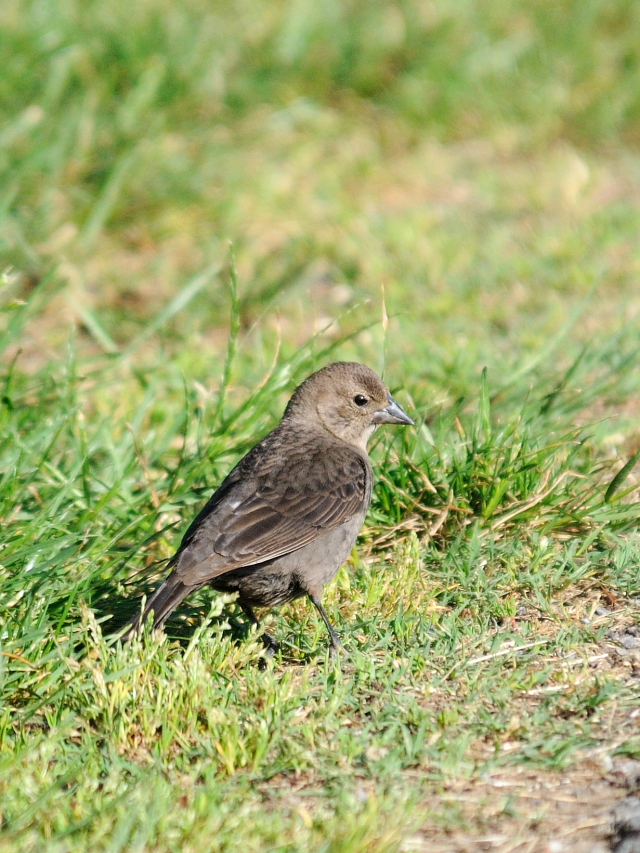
(287, 516)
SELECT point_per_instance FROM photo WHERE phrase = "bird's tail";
(163, 601)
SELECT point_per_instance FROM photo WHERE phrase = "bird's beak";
(392, 414)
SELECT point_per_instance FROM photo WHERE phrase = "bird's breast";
(318, 562)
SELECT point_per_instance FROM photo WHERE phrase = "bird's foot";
(271, 648)
(336, 647)
(271, 645)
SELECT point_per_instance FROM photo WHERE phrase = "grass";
(453, 201)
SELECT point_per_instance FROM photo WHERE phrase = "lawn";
(200, 204)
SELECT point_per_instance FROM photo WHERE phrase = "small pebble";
(629, 770)
(626, 817)
(630, 844)
(625, 638)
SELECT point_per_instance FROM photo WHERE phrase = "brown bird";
(287, 516)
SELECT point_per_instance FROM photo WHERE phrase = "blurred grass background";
(476, 158)
(430, 187)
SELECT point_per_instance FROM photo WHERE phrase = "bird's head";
(349, 400)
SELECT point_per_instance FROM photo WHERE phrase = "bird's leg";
(335, 639)
(271, 644)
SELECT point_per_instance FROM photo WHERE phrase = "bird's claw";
(271, 645)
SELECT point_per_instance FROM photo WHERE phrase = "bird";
(284, 520)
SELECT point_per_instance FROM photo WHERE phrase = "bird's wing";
(256, 519)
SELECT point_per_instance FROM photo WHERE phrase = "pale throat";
(369, 431)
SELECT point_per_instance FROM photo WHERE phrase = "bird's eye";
(360, 400)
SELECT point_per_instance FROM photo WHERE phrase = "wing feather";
(252, 519)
